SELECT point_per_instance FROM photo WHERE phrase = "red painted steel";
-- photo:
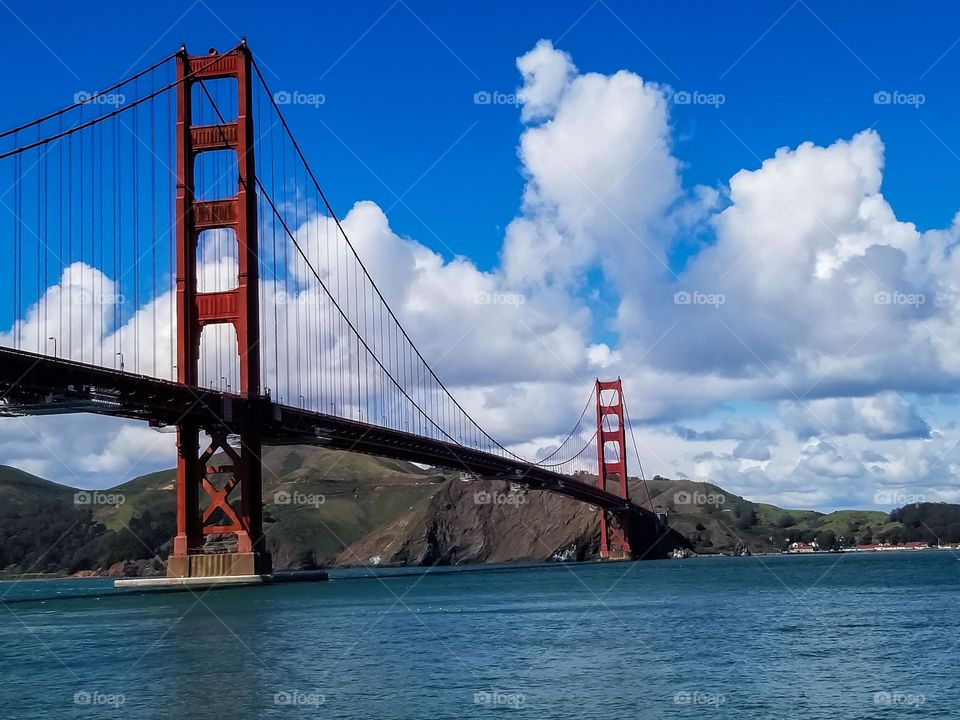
(238, 307)
(611, 442)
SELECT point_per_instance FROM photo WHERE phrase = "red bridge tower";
(611, 464)
(195, 310)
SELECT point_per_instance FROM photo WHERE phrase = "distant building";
(799, 547)
(888, 547)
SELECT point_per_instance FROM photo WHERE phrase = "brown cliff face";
(481, 522)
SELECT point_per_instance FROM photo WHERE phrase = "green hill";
(718, 521)
(21, 488)
(316, 501)
(324, 507)
(41, 528)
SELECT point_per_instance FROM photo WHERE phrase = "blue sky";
(815, 134)
(399, 81)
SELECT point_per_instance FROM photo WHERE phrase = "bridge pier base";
(614, 542)
(193, 556)
(218, 565)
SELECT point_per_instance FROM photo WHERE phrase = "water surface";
(827, 636)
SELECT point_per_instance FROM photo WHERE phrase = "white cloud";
(87, 451)
(604, 139)
(546, 74)
(884, 416)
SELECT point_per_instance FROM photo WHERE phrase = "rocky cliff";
(474, 523)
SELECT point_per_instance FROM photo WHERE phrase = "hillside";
(326, 507)
(41, 528)
(21, 488)
(359, 494)
(452, 528)
(718, 521)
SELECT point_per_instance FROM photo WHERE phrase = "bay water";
(834, 636)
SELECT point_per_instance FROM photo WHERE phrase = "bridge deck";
(34, 384)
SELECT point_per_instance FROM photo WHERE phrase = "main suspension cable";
(87, 100)
(346, 238)
(107, 116)
(637, 451)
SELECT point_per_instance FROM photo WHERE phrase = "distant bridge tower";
(611, 465)
(195, 310)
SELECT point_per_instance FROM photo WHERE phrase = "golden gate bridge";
(174, 259)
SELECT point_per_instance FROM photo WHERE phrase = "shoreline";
(397, 570)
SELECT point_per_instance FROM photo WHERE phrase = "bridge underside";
(33, 384)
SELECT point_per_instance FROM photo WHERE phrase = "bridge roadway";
(35, 384)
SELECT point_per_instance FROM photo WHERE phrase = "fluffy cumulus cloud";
(810, 278)
(601, 178)
(805, 354)
(546, 75)
(884, 416)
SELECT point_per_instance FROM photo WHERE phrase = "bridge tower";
(612, 465)
(196, 310)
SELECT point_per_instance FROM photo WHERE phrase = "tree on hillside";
(929, 522)
(43, 539)
(745, 517)
(826, 540)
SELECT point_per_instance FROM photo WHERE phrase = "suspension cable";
(586, 407)
(573, 457)
(107, 116)
(379, 294)
(346, 238)
(637, 451)
(87, 100)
